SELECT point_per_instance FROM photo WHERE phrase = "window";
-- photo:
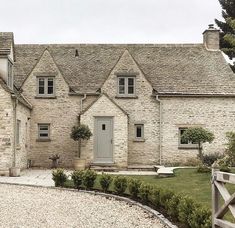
(10, 75)
(43, 131)
(18, 132)
(126, 86)
(185, 143)
(46, 86)
(139, 131)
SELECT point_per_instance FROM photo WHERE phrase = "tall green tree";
(227, 35)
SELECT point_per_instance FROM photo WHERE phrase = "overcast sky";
(108, 21)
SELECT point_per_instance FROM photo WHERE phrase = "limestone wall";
(6, 130)
(215, 114)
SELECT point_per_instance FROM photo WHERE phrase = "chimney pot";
(211, 38)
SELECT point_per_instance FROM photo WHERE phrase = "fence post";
(215, 194)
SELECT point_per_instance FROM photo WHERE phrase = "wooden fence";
(219, 191)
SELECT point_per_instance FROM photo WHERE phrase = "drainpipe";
(14, 128)
(83, 99)
(160, 128)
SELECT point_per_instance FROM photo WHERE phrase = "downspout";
(79, 122)
(14, 129)
(160, 129)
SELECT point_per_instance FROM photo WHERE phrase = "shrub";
(120, 184)
(145, 190)
(203, 169)
(155, 197)
(105, 181)
(200, 218)
(88, 178)
(59, 177)
(225, 169)
(185, 209)
(209, 159)
(192, 162)
(77, 177)
(230, 150)
(172, 206)
(165, 195)
(133, 187)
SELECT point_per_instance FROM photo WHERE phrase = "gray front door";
(103, 140)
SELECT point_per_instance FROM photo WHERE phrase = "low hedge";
(179, 208)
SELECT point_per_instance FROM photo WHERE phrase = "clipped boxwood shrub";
(120, 184)
(200, 218)
(144, 192)
(172, 206)
(88, 179)
(134, 187)
(77, 177)
(59, 177)
(165, 195)
(203, 169)
(105, 181)
(185, 209)
(155, 197)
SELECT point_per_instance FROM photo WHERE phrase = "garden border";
(158, 215)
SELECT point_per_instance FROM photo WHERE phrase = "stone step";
(104, 168)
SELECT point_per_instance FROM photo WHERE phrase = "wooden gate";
(219, 180)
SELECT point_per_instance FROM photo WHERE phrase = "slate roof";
(171, 69)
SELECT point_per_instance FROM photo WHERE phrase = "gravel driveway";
(22, 206)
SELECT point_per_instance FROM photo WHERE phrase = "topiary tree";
(198, 135)
(78, 133)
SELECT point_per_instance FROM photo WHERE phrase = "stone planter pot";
(79, 164)
(14, 172)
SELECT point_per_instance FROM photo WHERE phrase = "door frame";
(95, 151)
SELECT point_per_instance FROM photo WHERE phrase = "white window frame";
(43, 131)
(141, 138)
(45, 94)
(126, 86)
(10, 74)
(188, 144)
(18, 132)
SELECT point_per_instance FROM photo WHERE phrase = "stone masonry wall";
(23, 114)
(61, 113)
(6, 130)
(215, 114)
(104, 107)
(143, 109)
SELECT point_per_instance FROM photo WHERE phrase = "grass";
(186, 181)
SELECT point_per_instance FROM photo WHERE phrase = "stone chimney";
(211, 38)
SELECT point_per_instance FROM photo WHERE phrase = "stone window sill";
(126, 97)
(139, 140)
(191, 147)
(43, 140)
(45, 97)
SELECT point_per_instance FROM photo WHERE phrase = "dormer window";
(45, 87)
(126, 86)
(10, 75)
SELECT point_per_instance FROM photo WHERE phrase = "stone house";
(137, 99)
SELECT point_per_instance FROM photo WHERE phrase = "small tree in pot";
(79, 133)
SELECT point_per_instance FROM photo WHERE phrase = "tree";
(78, 133)
(198, 135)
(230, 150)
(227, 35)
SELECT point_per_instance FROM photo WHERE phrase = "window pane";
(121, 90)
(181, 140)
(43, 128)
(130, 90)
(121, 81)
(139, 131)
(130, 81)
(50, 90)
(43, 135)
(41, 84)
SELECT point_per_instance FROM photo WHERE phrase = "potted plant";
(54, 158)
(79, 133)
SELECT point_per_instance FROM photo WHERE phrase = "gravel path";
(22, 206)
